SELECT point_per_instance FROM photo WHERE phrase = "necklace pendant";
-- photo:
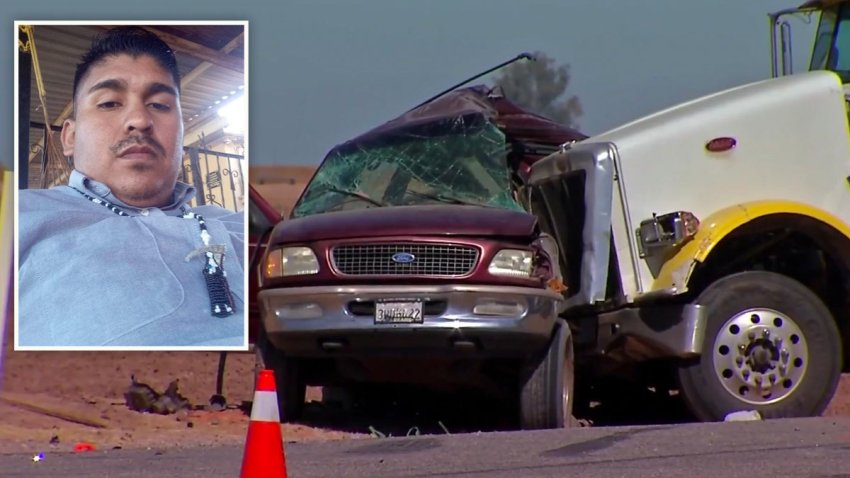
(215, 250)
(221, 299)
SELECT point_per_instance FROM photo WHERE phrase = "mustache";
(137, 140)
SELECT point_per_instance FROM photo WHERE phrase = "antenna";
(521, 56)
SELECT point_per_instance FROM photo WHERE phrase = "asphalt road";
(818, 447)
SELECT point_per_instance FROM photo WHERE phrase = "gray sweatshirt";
(88, 277)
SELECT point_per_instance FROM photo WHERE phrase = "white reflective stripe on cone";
(264, 408)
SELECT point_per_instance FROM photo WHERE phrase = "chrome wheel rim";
(760, 356)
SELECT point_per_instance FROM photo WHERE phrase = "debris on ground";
(84, 446)
(141, 397)
(50, 409)
(743, 416)
(218, 402)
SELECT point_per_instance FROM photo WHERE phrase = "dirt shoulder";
(73, 397)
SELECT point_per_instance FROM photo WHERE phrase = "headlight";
(660, 233)
(290, 261)
(511, 263)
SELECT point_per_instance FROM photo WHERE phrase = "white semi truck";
(716, 233)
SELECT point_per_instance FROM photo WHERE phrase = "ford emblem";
(403, 257)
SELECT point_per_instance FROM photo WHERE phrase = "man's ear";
(69, 135)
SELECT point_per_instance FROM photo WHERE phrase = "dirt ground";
(44, 394)
(52, 401)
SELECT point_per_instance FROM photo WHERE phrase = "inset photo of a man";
(132, 186)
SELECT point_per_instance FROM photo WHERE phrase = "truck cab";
(830, 48)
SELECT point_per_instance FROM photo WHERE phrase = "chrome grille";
(430, 259)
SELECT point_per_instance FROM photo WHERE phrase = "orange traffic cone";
(264, 445)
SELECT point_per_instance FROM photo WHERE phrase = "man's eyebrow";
(121, 85)
(161, 88)
(110, 84)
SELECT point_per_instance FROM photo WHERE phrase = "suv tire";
(289, 382)
(547, 383)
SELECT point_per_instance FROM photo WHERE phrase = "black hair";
(127, 40)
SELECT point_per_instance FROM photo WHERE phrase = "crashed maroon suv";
(410, 258)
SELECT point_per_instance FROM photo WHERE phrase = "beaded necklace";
(221, 300)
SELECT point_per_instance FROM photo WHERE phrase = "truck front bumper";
(463, 319)
(648, 332)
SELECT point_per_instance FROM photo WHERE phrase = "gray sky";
(350, 66)
(323, 71)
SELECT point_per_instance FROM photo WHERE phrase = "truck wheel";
(546, 385)
(291, 388)
(770, 345)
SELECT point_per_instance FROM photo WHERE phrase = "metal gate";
(218, 178)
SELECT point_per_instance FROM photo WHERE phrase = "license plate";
(398, 312)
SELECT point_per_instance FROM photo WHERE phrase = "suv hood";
(436, 220)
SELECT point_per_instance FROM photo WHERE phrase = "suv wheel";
(770, 345)
(546, 386)
(289, 382)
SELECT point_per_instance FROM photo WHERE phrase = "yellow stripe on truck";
(676, 272)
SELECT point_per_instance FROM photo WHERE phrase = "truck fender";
(676, 273)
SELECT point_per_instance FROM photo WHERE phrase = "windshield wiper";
(446, 199)
(354, 194)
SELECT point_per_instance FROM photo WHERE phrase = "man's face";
(127, 130)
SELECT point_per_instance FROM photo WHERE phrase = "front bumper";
(642, 333)
(480, 319)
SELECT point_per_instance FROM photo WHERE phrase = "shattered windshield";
(457, 163)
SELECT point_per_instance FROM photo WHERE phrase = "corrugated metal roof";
(210, 59)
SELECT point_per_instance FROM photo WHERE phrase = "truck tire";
(770, 345)
(291, 388)
(546, 384)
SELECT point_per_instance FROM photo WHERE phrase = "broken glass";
(459, 161)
